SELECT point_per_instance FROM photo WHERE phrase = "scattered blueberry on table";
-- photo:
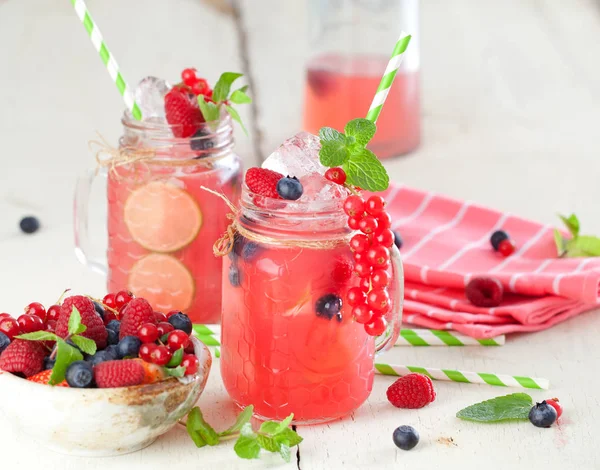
(29, 224)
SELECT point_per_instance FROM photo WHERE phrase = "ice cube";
(297, 156)
(319, 189)
(150, 97)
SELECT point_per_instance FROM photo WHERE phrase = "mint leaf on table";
(87, 345)
(275, 427)
(242, 419)
(247, 447)
(515, 406)
(176, 358)
(223, 86)
(289, 436)
(284, 451)
(361, 129)
(579, 245)
(366, 171)
(199, 430)
(572, 224)
(65, 356)
(38, 336)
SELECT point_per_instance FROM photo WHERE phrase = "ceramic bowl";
(101, 422)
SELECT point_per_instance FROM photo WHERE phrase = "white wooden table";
(510, 112)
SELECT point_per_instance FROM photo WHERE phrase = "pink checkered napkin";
(446, 243)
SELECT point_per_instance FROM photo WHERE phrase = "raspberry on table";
(411, 391)
(23, 357)
(136, 313)
(263, 182)
(113, 374)
(96, 331)
(484, 291)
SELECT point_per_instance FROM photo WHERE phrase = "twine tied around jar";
(224, 244)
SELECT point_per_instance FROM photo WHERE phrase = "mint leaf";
(176, 358)
(199, 430)
(330, 134)
(361, 129)
(236, 117)
(242, 419)
(247, 447)
(268, 443)
(333, 153)
(223, 86)
(508, 407)
(275, 427)
(366, 171)
(284, 451)
(75, 322)
(240, 96)
(209, 110)
(87, 345)
(65, 356)
(560, 243)
(175, 372)
(583, 245)
(38, 336)
(572, 223)
(290, 436)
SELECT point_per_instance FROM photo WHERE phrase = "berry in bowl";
(99, 380)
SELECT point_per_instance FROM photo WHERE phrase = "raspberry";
(484, 291)
(44, 377)
(263, 182)
(112, 374)
(342, 271)
(137, 312)
(23, 357)
(95, 331)
(182, 111)
(411, 391)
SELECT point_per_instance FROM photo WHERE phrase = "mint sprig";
(515, 406)
(578, 245)
(223, 97)
(272, 436)
(348, 150)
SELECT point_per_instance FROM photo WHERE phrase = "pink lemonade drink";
(338, 89)
(289, 341)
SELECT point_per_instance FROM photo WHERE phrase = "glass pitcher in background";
(351, 42)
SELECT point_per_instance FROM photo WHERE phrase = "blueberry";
(238, 244)
(80, 374)
(113, 336)
(200, 141)
(100, 356)
(397, 240)
(250, 250)
(405, 437)
(542, 415)
(290, 188)
(29, 224)
(112, 351)
(48, 363)
(99, 309)
(114, 325)
(498, 237)
(181, 321)
(4, 342)
(328, 306)
(129, 347)
(235, 277)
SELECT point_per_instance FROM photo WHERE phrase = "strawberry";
(112, 374)
(95, 331)
(182, 111)
(23, 357)
(44, 377)
(137, 312)
(263, 182)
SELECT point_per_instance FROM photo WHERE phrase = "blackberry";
(80, 374)
(542, 415)
(328, 306)
(129, 347)
(29, 224)
(235, 277)
(405, 437)
(498, 237)
(181, 321)
(290, 188)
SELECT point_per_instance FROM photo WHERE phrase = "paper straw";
(448, 375)
(388, 77)
(107, 58)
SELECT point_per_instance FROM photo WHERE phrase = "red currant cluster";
(198, 86)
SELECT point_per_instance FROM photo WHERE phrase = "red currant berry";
(189, 76)
(378, 256)
(164, 328)
(161, 355)
(4, 315)
(368, 224)
(109, 316)
(37, 309)
(190, 349)
(384, 237)
(356, 296)
(191, 364)
(379, 300)
(10, 327)
(342, 271)
(362, 314)
(199, 87)
(384, 220)
(375, 205)
(376, 326)
(358, 257)
(122, 298)
(354, 206)
(362, 269)
(507, 247)
(30, 323)
(353, 222)
(365, 284)
(160, 317)
(148, 333)
(177, 339)
(53, 313)
(553, 402)
(380, 278)
(359, 243)
(336, 175)
(109, 301)
(51, 325)
(146, 351)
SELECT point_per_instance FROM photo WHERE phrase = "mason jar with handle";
(160, 223)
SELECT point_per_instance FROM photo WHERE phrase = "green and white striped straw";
(422, 337)
(449, 375)
(107, 58)
(388, 77)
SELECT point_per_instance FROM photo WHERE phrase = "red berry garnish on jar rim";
(362, 313)
(375, 205)
(507, 247)
(359, 243)
(368, 224)
(189, 76)
(376, 326)
(37, 309)
(362, 269)
(384, 220)
(365, 284)
(354, 206)
(384, 237)
(484, 291)
(379, 300)
(336, 175)
(356, 296)
(378, 256)
(380, 278)
(353, 222)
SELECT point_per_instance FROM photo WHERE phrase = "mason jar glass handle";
(83, 245)
(394, 317)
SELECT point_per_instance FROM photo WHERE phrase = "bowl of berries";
(99, 379)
